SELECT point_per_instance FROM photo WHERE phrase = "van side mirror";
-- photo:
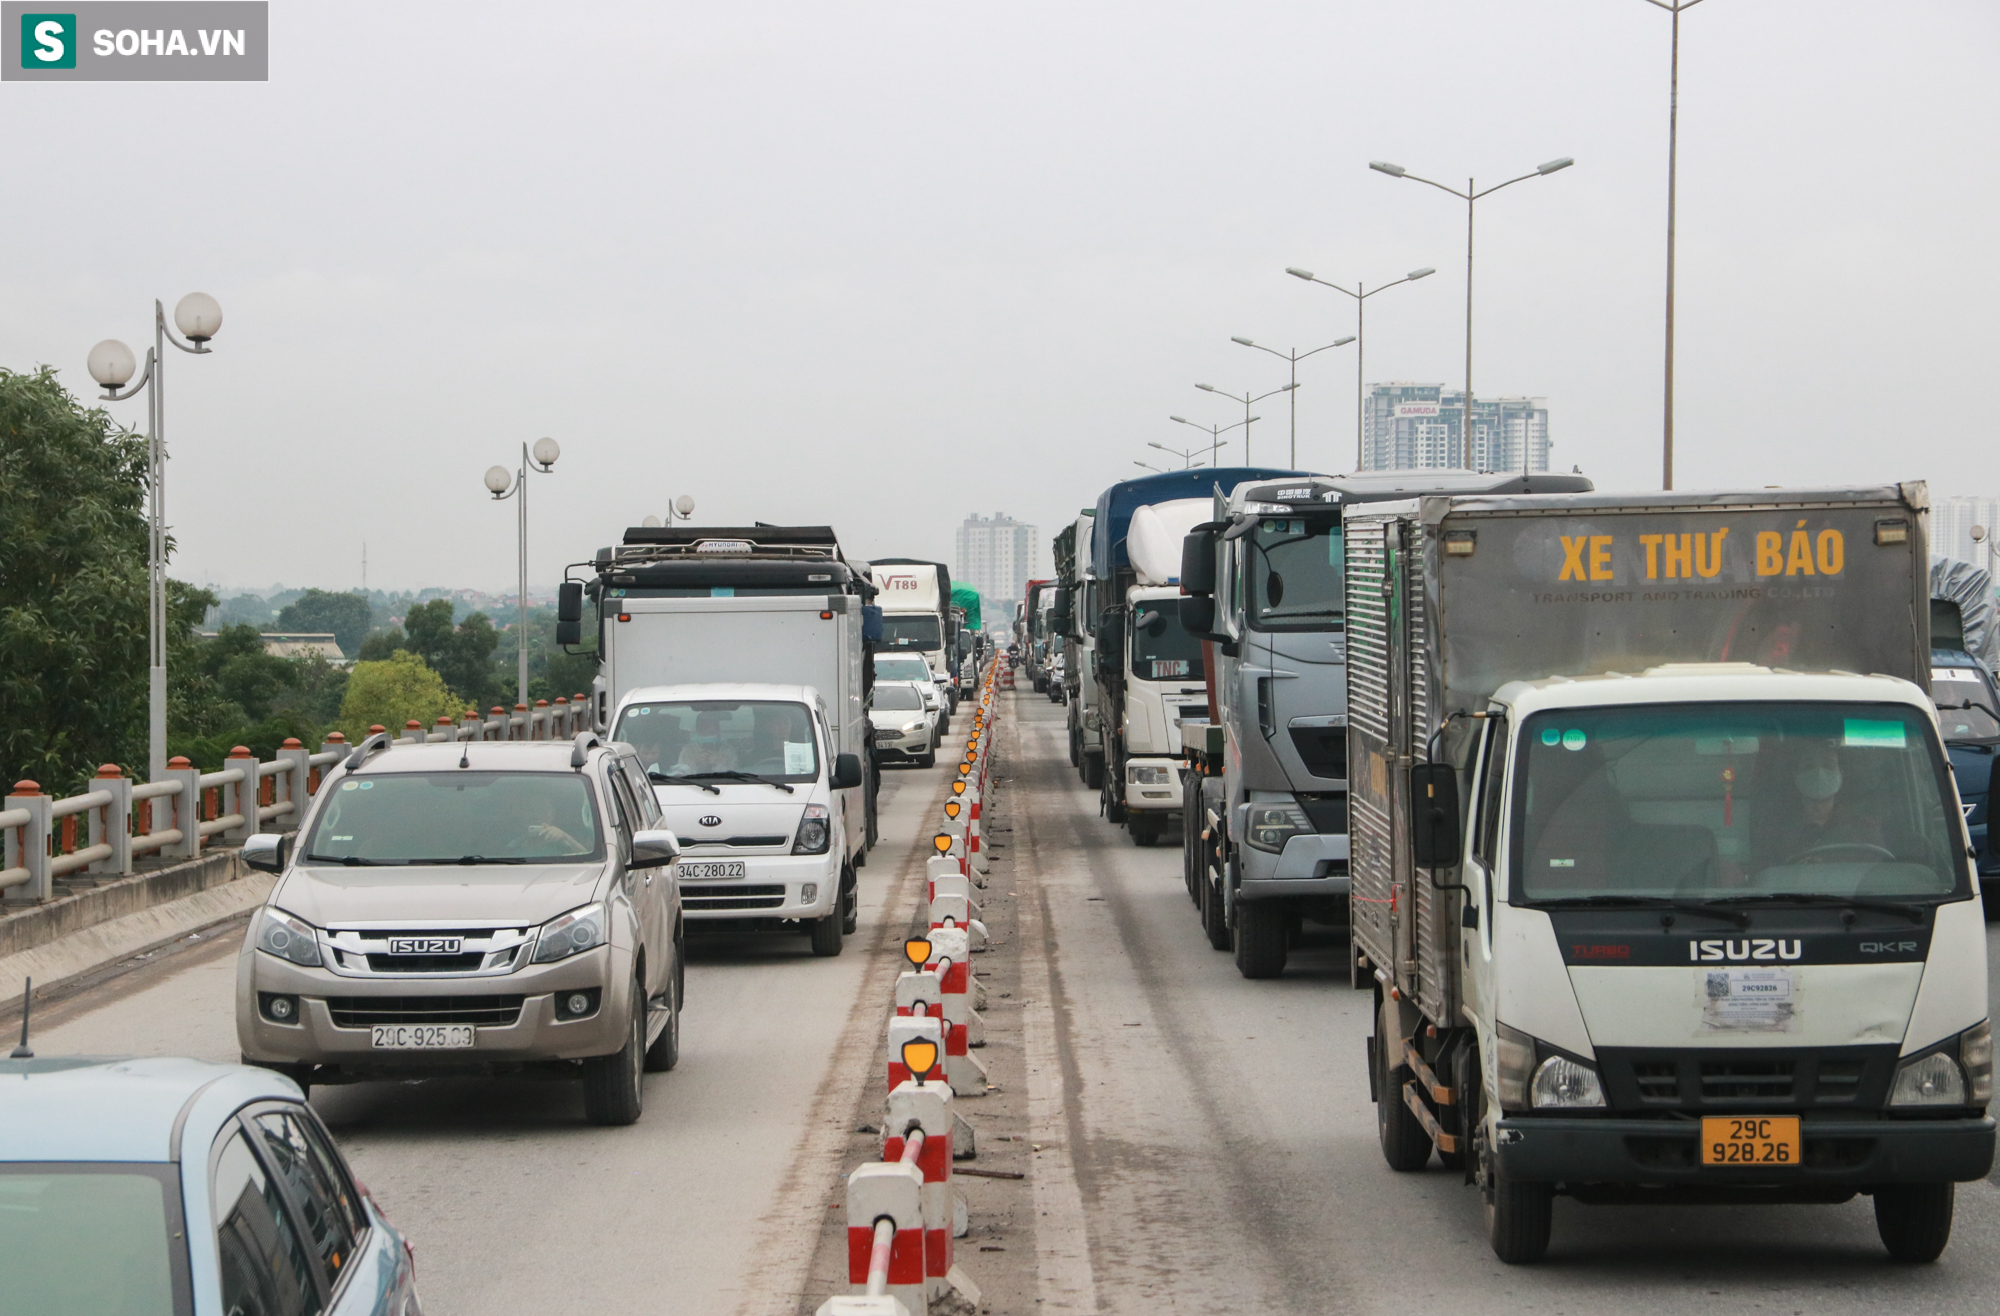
(1198, 561)
(1198, 616)
(569, 612)
(267, 852)
(846, 772)
(1434, 835)
(653, 849)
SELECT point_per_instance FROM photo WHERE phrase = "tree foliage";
(346, 617)
(391, 692)
(72, 586)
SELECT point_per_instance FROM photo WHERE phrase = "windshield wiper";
(352, 861)
(469, 859)
(662, 779)
(1703, 907)
(1914, 913)
(744, 776)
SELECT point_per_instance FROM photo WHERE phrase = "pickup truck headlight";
(278, 933)
(815, 831)
(1148, 776)
(1271, 825)
(572, 934)
(1565, 1083)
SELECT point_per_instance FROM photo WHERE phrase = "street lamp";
(680, 509)
(1470, 195)
(1360, 293)
(1246, 400)
(1673, 147)
(503, 484)
(1161, 469)
(1187, 457)
(1294, 356)
(1214, 432)
(198, 317)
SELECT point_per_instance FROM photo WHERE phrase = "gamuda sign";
(135, 41)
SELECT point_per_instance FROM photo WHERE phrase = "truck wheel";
(1214, 920)
(1093, 771)
(827, 934)
(1146, 830)
(1914, 1219)
(1405, 1145)
(1075, 745)
(614, 1085)
(1518, 1216)
(850, 902)
(1262, 931)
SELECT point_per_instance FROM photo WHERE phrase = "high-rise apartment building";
(997, 555)
(1406, 426)
(1952, 520)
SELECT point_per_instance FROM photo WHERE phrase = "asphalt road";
(1225, 1147)
(514, 1202)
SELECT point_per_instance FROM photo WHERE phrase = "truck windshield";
(1965, 703)
(1720, 801)
(912, 630)
(770, 738)
(1161, 650)
(1295, 574)
(450, 817)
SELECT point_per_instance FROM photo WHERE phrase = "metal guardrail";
(106, 829)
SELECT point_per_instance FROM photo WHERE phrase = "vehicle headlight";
(815, 830)
(1560, 1081)
(1148, 776)
(914, 727)
(1513, 1063)
(278, 933)
(1932, 1080)
(1271, 825)
(572, 934)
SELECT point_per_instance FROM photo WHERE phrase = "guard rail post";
(887, 1262)
(26, 876)
(517, 724)
(911, 1028)
(112, 823)
(951, 960)
(413, 733)
(298, 779)
(240, 796)
(187, 810)
(919, 1131)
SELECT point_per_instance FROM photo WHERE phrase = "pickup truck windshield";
(1296, 574)
(1715, 801)
(918, 630)
(770, 738)
(1161, 649)
(1965, 703)
(457, 816)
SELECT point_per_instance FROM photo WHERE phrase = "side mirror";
(846, 772)
(1198, 616)
(1059, 615)
(871, 623)
(267, 852)
(1198, 560)
(654, 849)
(569, 612)
(1434, 836)
(1110, 630)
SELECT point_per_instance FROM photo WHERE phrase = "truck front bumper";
(1308, 866)
(1851, 1152)
(1149, 796)
(772, 887)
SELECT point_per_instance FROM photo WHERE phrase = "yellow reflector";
(917, 950)
(920, 1057)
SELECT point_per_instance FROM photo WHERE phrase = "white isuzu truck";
(1657, 861)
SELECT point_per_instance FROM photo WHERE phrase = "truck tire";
(1263, 927)
(1075, 745)
(1146, 829)
(850, 902)
(614, 1085)
(1405, 1145)
(1914, 1219)
(1214, 912)
(827, 934)
(1093, 771)
(1518, 1216)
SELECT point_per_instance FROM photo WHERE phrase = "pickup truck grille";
(426, 963)
(732, 897)
(1702, 1078)
(482, 1011)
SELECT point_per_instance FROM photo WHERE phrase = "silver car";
(470, 908)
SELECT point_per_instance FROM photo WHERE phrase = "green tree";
(346, 616)
(391, 692)
(72, 586)
(462, 655)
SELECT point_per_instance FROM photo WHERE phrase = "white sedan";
(904, 724)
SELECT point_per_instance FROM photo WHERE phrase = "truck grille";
(1747, 1080)
(1323, 750)
(426, 963)
(732, 897)
(482, 1011)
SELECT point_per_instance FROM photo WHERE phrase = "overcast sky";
(885, 264)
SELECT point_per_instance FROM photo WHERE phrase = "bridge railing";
(105, 831)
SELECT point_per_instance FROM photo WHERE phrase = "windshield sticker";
(368, 785)
(1562, 863)
(1573, 739)
(722, 591)
(1750, 1001)
(349, 785)
(1551, 737)
(1725, 745)
(798, 757)
(1874, 735)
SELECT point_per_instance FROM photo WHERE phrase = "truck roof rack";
(579, 752)
(360, 753)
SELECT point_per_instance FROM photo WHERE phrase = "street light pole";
(1246, 399)
(498, 481)
(1214, 432)
(1294, 357)
(1469, 196)
(1673, 164)
(1360, 294)
(198, 317)
(1187, 456)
